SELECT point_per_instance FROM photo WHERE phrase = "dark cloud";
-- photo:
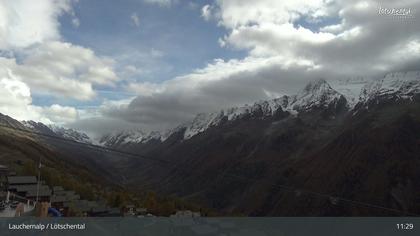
(281, 59)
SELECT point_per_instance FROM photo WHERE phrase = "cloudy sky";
(105, 65)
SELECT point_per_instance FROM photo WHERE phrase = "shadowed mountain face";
(309, 163)
(19, 147)
(242, 166)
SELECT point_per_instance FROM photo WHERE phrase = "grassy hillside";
(22, 152)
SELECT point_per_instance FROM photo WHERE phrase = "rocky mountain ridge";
(318, 93)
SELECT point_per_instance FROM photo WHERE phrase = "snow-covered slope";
(200, 123)
(401, 85)
(130, 136)
(206, 120)
(350, 88)
(317, 93)
(70, 134)
(58, 131)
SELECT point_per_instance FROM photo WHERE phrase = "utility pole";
(39, 179)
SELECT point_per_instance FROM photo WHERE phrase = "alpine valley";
(341, 148)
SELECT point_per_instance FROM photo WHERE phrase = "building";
(186, 214)
(62, 199)
(76, 208)
(27, 187)
(4, 172)
(44, 195)
(57, 201)
(129, 210)
(21, 180)
(22, 189)
(141, 211)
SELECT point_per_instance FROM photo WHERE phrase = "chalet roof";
(41, 193)
(4, 168)
(21, 179)
(29, 187)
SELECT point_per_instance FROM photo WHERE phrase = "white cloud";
(34, 60)
(16, 101)
(339, 38)
(220, 84)
(24, 22)
(145, 88)
(206, 12)
(135, 18)
(29, 30)
(355, 40)
(62, 69)
(282, 55)
(60, 114)
(237, 13)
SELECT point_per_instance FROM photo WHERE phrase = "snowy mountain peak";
(70, 134)
(350, 87)
(402, 85)
(316, 93)
(315, 85)
(130, 136)
(203, 121)
(54, 130)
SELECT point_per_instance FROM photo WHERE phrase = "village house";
(186, 213)
(4, 171)
(21, 180)
(60, 197)
(27, 187)
(129, 210)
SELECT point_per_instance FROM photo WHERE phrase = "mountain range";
(353, 90)
(316, 93)
(346, 148)
(362, 148)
